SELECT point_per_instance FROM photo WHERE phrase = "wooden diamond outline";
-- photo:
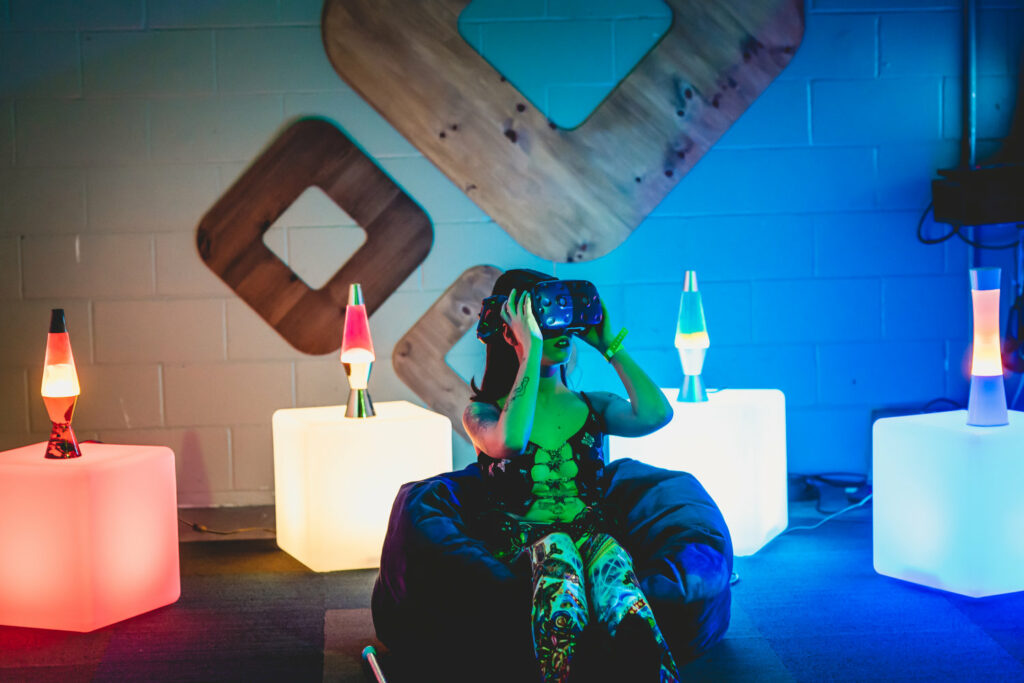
(313, 152)
(418, 357)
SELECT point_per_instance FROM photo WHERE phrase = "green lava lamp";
(692, 341)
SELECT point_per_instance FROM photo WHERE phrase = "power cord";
(932, 406)
(955, 231)
(830, 517)
(835, 490)
(932, 240)
(202, 528)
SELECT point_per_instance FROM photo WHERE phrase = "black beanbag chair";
(449, 611)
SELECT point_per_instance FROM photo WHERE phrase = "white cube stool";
(335, 478)
(735, 445)
(949, 502)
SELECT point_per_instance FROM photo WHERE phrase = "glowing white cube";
(86, 542)
(335, 478)
(735, 444)
(949, 502)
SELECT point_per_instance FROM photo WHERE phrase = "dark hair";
(502, 364)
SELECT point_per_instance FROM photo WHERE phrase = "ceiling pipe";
(968, 137)
(969, 101)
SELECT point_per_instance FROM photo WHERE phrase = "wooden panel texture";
(418, 357)
(313, 152)
(566, 195)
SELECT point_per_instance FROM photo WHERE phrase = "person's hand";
(600, 336)
(518, 315)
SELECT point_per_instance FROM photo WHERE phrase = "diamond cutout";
(313, 152)
(565, 56)
(313, 237)
(467, 356)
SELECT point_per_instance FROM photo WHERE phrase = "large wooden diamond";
(566, 195)
(313, 152)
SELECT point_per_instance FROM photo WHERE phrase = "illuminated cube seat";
(335, 478)
(88, 541)
(949, 502)
(735, 445)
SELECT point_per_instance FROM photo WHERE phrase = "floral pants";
(574, 581)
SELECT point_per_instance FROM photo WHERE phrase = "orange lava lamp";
(986, 406)
(60, 389)
(357, 354)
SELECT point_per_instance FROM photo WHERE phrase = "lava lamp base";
(986, 406)
(62, 444)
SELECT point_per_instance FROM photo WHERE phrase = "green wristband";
(616, 345)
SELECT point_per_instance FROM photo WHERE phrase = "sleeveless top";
(509, 481)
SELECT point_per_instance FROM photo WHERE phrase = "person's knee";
(556, 550)
(558, 539)
(602, 552)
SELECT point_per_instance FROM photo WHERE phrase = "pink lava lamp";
(357, 354)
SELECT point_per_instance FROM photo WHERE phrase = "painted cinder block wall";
(122, 121)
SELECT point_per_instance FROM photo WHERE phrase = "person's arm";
(504, 433)
(647, 409)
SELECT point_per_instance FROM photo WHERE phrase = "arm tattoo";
(518, 391)
(522, 387)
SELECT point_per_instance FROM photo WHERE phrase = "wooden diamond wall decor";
(313, 152)
(566, 195)
(418, 357)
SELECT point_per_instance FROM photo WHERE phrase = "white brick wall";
(43, 201)
(208, 128)
(80, 132)
(151, 197)
(147, 63)
(106, 266)
(160, 330)
(10, 268)
(226, 393)
(122, 122)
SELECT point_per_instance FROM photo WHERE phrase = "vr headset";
(561, 307)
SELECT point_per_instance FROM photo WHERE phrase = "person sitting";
(540, 447)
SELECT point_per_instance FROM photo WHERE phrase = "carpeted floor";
(808, 607)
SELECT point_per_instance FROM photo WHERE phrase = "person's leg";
(615, 593)
(559, 604)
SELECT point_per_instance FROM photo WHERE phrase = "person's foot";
(592, 659)
(638, 655)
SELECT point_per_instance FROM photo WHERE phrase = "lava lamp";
(357, 354)
(60, 389)
(692, 341)
(986, 406)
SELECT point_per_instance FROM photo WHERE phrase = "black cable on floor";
(202, 528)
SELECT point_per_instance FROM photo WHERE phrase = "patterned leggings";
(567, 576)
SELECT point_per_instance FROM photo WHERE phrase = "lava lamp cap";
(355, 294)
(57, 322)
(690, 281)
(985, 278)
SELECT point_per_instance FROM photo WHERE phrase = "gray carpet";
(808, 607)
